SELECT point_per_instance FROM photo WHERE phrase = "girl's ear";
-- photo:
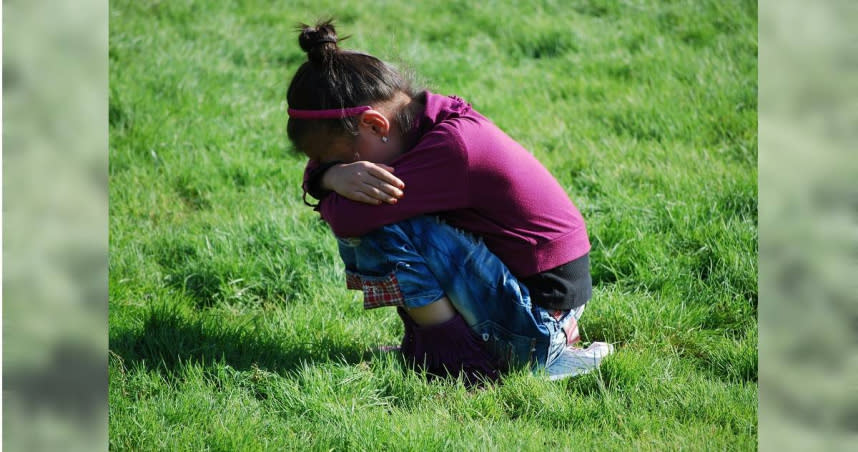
(375, 121)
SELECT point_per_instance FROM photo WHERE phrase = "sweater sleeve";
(435, 174)
(312, 184)
(311, 166)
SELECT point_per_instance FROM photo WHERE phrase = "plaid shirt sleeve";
(377, 292)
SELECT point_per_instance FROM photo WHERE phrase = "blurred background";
(55, 213)
(808, 198)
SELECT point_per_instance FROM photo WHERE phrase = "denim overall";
(417, 261)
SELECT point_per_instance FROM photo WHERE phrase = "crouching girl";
(440, 214)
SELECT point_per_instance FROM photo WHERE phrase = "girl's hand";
(367, 182)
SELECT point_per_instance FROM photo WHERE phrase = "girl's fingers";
(364, 198)
(384, 174)
(377, 194)
(374, 184)
(390, 190)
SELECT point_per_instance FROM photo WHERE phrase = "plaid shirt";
(377, 292)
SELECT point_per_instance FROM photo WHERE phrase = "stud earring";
(385, 139)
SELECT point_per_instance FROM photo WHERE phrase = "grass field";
(230, 325)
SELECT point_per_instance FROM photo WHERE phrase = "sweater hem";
(551, 254)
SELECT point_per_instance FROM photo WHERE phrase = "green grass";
(230, 325)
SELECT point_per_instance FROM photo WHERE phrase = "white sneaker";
(578, 361)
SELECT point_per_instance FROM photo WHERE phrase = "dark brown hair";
(333, 78)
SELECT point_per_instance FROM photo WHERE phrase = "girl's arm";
(372, 183)
(435, 174)
(367, 182)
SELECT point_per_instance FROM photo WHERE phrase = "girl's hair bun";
(320, 42)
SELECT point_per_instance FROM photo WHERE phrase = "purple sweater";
(465, 169)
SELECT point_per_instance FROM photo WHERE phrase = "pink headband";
(334, 113)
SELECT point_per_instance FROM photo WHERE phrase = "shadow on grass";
(168, 341)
